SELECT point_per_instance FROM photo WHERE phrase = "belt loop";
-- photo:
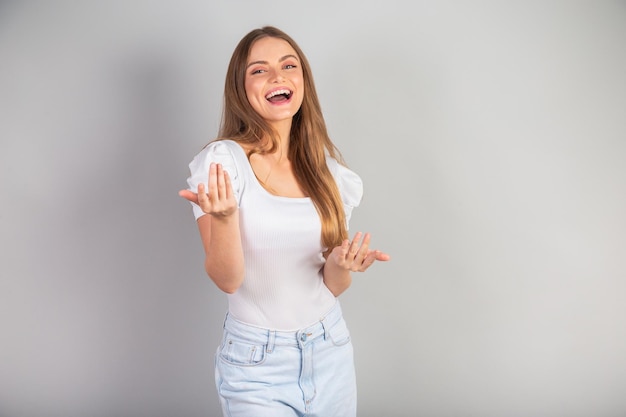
(225, 318)
(324, 323)
(271, 339)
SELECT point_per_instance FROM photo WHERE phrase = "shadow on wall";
(112, 313)
(134, 230)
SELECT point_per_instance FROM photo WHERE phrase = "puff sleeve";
(350, 186)
(217, 152)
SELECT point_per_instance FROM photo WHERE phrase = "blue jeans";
(309, 372)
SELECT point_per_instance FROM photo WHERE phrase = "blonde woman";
(272, 199)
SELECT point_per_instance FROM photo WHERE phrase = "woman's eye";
(289, 66)
(257, 71)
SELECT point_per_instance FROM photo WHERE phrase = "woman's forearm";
(336, 278)
(224, 262)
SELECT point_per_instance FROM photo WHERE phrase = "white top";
(283, 287)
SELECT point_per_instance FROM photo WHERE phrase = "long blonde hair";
(309, 140)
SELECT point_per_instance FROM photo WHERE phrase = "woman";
(272, 203)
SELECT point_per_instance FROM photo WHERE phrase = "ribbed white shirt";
(283, 287)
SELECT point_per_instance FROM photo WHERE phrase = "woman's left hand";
(356, 256)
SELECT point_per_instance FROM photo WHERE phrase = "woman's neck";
(283, 130)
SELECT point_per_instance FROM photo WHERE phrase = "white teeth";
(277, 92)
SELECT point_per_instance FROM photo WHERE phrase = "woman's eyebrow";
(280, 60)
(288, 56)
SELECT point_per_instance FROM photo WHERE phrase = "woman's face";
(274, 80)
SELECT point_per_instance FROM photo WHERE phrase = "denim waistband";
(271, 337)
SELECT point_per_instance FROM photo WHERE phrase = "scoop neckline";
(256, 180)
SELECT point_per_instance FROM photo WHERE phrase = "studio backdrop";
(491, 139)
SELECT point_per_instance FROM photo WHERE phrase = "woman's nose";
(277, 76)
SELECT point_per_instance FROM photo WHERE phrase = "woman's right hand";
(220, 200)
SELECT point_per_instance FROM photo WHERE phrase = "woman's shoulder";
(224, 151)
(221, 150)
(349, 182)
(221, 145)
(341, 170)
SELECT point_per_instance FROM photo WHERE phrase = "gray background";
(491, 137)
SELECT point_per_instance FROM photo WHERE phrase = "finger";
(228, 186)
(213, 181)
(340, 252)
(203, 198)
(345, 247)
(354, 246)
(189, 195)
(380, 256)
(368, 261)
(364, 249)
(221, 191)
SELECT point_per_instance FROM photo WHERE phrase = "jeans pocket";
(241, 352)
(339, 333)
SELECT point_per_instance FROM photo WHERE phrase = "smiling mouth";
(277, 96)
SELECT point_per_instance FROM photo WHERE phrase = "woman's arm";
(350, 257)
(219, 230)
